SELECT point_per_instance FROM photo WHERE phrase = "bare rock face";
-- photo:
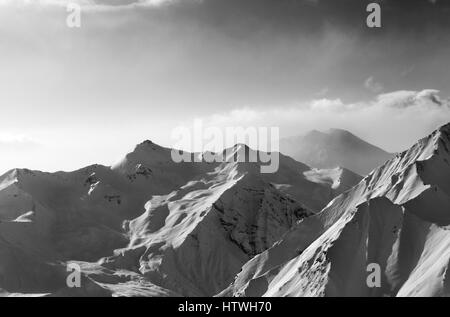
(396, 218)
(257, 228)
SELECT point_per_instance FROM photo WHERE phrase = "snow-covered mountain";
(150, 226)
(397, 217)
(333, 148)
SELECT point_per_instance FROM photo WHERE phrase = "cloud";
(373, 85)
(404, 99)
(16, 142)
(325, 104)
(323, 92)
(393, 120)
(90, 4)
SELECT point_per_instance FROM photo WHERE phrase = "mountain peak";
(148, 145)
(147, 153)
(335, 147)
(147, 142)
(337, 131)
(311, 134)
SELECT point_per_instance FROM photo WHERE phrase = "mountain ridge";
(140, 228)
(121, 213)
(396, 217)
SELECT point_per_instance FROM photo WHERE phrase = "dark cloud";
(413, 32)
(293, 16)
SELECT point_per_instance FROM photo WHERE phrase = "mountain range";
(397, 218)
(146, 215)
(148, 226)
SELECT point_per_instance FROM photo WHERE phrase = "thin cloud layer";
(393, 120)
(16, 142)
(89, 3)
(373, 85)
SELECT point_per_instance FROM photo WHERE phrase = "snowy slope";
(397, 217)
(333, 148)
(194, 240)
(156, 214)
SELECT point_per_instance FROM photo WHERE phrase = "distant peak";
(337, 131)
(147, 142)
(148, 145)
(314, 132)
(328, 132)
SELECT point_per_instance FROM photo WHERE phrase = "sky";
(136, 70)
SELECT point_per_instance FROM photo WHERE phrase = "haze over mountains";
(83, 81)
(150, 227)
(333, 148)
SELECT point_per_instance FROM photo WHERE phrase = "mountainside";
(335, 148)
(398, 218)
(148, 226)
